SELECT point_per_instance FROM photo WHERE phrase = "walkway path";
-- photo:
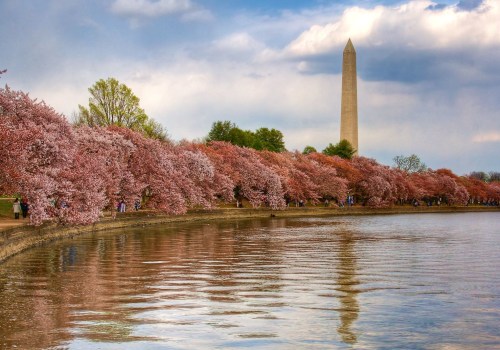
(6, 223)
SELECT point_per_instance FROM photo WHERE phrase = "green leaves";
(261, 139)
(343, 149)
(309, 150)
(112, 103)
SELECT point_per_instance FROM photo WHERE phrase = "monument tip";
(349, 46)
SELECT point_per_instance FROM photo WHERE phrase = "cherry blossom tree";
(252, 179)
(36, 146)
(330, 184)
(477, 189)
(450, 188)
(376, 189)
(296, 184)
(110, 154)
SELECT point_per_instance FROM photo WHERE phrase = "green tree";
(112, 103)
(229, 132)
(269, 139)
(309, 149)
(410, 164)
(221, 131)
(263, 138)
(243, 138)
(343, 149)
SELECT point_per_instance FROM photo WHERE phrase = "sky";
(428, 72)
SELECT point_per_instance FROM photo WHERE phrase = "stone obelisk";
(349, 103)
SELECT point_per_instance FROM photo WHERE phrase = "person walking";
(24, 208)
(121, 206)
(17, 208)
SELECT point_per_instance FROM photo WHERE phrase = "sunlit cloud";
(487, 137)
(238, 42)
(410, 25)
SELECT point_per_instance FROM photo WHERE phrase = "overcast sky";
(428, 72)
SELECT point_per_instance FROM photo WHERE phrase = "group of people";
(122, 208)
(20, 206)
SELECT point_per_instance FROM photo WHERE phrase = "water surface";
(427, 281)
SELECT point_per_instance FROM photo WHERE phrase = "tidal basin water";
(427, 281)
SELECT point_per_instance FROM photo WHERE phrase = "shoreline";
(17, 239)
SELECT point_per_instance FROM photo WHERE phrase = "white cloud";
(238, 42)
(148, 8)
(412, 25)
(189, 96)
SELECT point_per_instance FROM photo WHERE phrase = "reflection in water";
(348, 287)
(275, 284)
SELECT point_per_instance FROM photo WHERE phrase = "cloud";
(137, 9)
(238, 42)
(487, 137)
(428, 79)
(408, 43)
(410, 25)
(189, 96)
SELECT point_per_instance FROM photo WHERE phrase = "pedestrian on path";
(17, 208)
(24, 208)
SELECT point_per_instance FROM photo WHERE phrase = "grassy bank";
(6, 207)
(17, 239)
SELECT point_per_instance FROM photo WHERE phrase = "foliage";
(71, 175)
(343, 149)
(309, 149)
(112, 103)
(409, 164)
(221, 131)
(492, 176)
(269, 139)
(261, 139)
(35, 150)
(250, 178)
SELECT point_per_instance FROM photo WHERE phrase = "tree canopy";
(261, 139)
(309, 149)
(113, 103)
(343, 149)
(486, 177)
(410, 164)
(269, 139)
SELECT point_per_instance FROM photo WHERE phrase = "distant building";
(349, 103)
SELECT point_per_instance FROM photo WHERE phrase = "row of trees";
(71, 174)
(492, 176)
(268, 139)
(260, 139)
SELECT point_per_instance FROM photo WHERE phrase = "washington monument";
(349, 103)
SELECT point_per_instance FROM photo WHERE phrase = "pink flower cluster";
(71, 175)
